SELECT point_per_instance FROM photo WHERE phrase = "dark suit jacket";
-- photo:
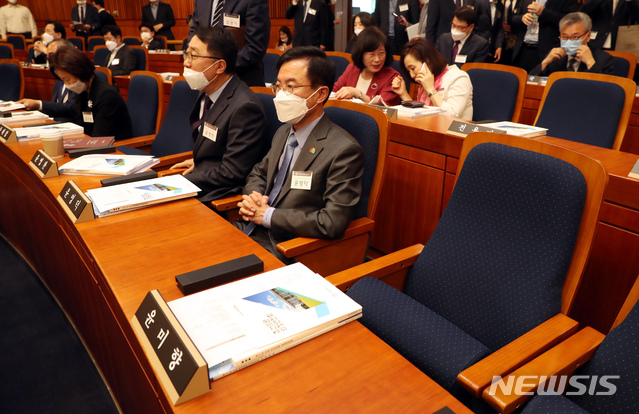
(381, 16)
(110, 114)
(105, 18)
(313, 31)
(604, 63)
(475, 48)
(91, 18)
(221, 167)
(126, 60)
(255, 24)
(493, 32)
(164, 16)
(325, 210)
(155, 44)
(57, 108)
(604, 22)
(31, 56)
(440, 15)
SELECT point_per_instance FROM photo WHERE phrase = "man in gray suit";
(310, 181)
(228, 121)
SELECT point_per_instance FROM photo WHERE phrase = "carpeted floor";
(44, 367)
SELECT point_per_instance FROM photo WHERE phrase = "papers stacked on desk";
(513, 128)
(417, 112)
(6, 106)
(33, 132)
(22, 117)
(241, 323)
(108, 164)
(132, 196)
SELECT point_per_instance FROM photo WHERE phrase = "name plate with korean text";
(461, 129)
(44, 165)
(75, 203)
(7, 134)
(175, 359)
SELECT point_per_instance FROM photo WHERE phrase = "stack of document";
(513, 128)
(138, 194)
(33, 132)
(241, 323)
(417, 112)
(108, 164)
(23, 116)
(6, 106)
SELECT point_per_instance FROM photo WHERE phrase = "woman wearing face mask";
(360, 22)
(371, 73)
(286, 39)
(447, 87)
(100, 108)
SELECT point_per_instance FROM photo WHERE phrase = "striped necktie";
(218, 13)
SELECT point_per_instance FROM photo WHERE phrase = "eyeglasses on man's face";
(188, 56)
(574, 37)
(287, 89)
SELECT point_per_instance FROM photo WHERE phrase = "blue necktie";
(280, 178)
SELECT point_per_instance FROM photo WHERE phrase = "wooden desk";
(100, 271)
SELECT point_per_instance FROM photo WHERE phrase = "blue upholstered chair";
(77, 41)
(94, 41)
(100, 55)
(18, 41)
(625, 63)
(144, 102)
(163, 41)
(341, 60)
(11, 80)
(498, 91)
(265, 94)
(104, 74)
(143, 57)
(506, 258)
(6, 51)
(270, 60)
(175, 135)
(571, 108)
(131, 41)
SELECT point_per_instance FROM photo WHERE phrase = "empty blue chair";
(18, 41)
(94, 41)
(143, 57)
(271, 115)
(341, 60)
(270, 61)
(101, 55)
(6, 51)
(78, 42)
(104, 74)
(11, 80)
(131, 41)
(144, 102)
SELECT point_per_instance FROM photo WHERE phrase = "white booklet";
(513, 128)
(23, 116)
(132, 196)
(108, 164)
(417, 112)
(6, 106)
(241, 323)
(33, 132)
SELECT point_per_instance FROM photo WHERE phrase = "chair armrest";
(169, 160)
(170, 171)
(400, 260)
(136, 142)
(563, 359)
(301, 245)
(515, 354)
(226, 203)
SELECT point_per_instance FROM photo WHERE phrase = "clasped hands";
(535, 8)
(253, 206)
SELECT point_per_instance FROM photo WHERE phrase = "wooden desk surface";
(100, 271)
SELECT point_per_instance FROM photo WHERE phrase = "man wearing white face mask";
(461, 45)
(159, 16)
(147, 36)
(17, 19)
(574, 55)
(228, 121)
(310, 182)
(122, 60)
(85, 20)
(53, 30)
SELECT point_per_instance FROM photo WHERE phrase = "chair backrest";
(625, 63)
(175, 133)
(143, 57)
(266, 97)
(104, 73)
(94, 41)
(163, 40)
(131, 41)
(6, 51)
(77, 42)
(571, 108)
(397, 65)
(498, 91)
(37, 38)
(11, 80)
(18, 41)
(370, 127)
(342, 60)
(100, 55)
(30, 53)
(144, 102)
(270, 60)
(509, 250)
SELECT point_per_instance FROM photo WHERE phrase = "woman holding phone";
(447, 87)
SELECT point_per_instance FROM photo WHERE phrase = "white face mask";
(458, 35)
(291, 108)
(145, 36)
(357, 31)
(13, 1)
(47, 38)
(111, 45)
(77, 87)
(197, 80)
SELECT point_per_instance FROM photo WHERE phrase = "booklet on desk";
(132, 196)
(6, 106)
(108, 164)
(88, 142)
(416, 112)
(513, 128)
(241, 323)
(33, 132)
(11, 117)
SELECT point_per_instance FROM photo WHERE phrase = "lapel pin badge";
(313, 150)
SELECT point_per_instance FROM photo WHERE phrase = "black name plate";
(75, 203)
(44, 165)
(7, 134)
(462, 129)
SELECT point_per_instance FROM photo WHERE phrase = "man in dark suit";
(606, 21)
(311, 22)
(440, 14)
(407, 12)
(159, 15)
(87, 16)
(52, 31)
(122, 60)
(575, 55)
(147, 35)
(252, 32)
(489, 25)
(105, 17)
(228, 121)
(310, 181)
(461, 45)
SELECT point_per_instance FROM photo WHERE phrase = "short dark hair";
(220, 43)
(424, 51)
(320, 69)
(58, 27)
(287, 32)
(73, 61)
(148, 26)
(100, 2)
(368, 41)
(466, 14)
(113, 29)
(366, 19)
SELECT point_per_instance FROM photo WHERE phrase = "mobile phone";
(396, 15)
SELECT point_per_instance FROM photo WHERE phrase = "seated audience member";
(122, 60)
(461, 45)
(286, 39)
(63, 101)
(274, 208)
(147, 36)
(228, 120)
(371, 73)
(447, 87)
(361, 21)
(53, 30)
(574, 54)
(99, 108)
(105, 17)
